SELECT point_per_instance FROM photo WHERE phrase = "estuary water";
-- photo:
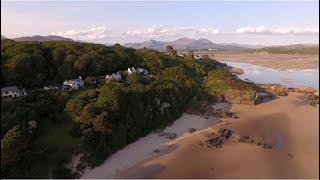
(289, 77)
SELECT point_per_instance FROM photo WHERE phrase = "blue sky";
(109, 22)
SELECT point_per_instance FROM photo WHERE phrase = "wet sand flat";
(275, 61)
(289, 123)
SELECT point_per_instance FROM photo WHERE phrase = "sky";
(245, 22)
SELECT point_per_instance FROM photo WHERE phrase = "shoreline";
(289, 123)
(147, 147)
(126, 163)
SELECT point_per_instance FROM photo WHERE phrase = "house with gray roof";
(74, 83)
(12, 91)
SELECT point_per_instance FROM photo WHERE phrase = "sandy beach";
(288, 123)
(275, 61)
(144, 148)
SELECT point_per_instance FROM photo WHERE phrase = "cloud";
(94, 33)
(283, 30)
(156, 31)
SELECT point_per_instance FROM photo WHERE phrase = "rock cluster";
(226, 114)
(314, 102)
(225, 133)
(250, 140)
(246, 139)
(217, 140)
(168, 135)
(314, 99)
(266, 146)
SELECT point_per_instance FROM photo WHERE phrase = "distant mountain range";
(40, 38)
(187, 44)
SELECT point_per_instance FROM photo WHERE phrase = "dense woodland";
(98, 119)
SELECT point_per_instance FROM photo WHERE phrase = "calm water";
(290, 77)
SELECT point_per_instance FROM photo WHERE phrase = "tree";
(12, 145)
(134, 78)
(169, 48)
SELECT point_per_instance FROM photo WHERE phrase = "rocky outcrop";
(305, 89)
(231, 69)
(280, 90)
(235, 70)
(242, 97)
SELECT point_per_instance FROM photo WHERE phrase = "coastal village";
(78, 83)
(72, 84)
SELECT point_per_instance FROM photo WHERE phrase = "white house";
(12, 91)
(138, 70)
(74, 83)
(197, 57)
(116, 76)
(131, 70)
(142, 70)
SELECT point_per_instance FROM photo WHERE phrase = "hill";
(186, 44)
(43, 38)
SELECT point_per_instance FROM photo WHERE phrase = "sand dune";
(289, 123)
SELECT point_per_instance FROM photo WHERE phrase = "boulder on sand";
(168, 135)
(266, 146)
(314, 102)
(246, 139)
(191, 130)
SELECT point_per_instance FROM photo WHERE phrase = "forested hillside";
(97, 120)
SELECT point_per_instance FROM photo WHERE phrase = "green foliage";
(12, 146)
(117, 114)
(31, 64)
(218, 81)
(97, 120)
(49, 145)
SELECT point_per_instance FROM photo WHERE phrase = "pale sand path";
(275, 61)
(289, 123)
(144, 147)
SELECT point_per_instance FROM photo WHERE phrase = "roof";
(74, 80)
(9, 88)
(23, 90)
